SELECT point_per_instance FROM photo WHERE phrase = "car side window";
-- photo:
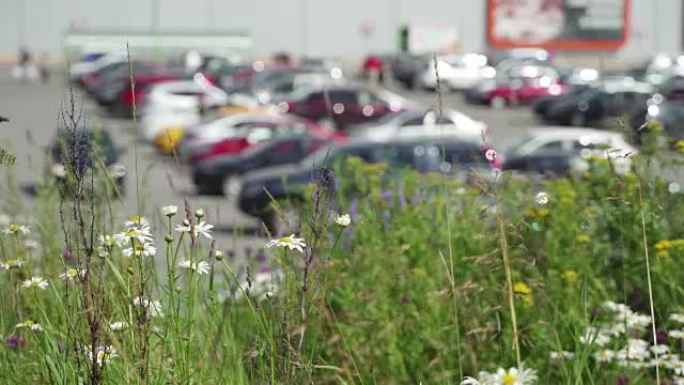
(343, 96)
(549, 147)
(366, 97)
(417, 121)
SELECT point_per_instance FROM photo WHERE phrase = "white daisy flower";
(72, 273)
(677, 317)
(11, 264)
(169, 211)
(636, 350)
(118, 325)
(290, 242)
(541, 198)
(604, 355)
(34, 326)
(678, 368)
(200, 267)
(102, 355)
(16, 229)
(659, 349)
(141, 235)
(138, 222)
(201, 229)
(678, 381)
(153, 307)
(35, 281)
(343, 220)
(677, 334)
(515, 376)
(140, 250)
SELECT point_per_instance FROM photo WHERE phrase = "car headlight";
(117, 170)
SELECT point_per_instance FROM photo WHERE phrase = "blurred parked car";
(417, 122)
(543, 146)
(83, 152)
(517, 85)
(217, 174)
(426, 154)
(343, 105)
(406, 68)
(234, 133)
(669, 114)
(171, 106)
(106, 85)
(78, 71)
(457, 72)
(592, 106)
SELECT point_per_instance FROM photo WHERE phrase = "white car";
(174, 104)
(78, 70)
(582, 142)
(457, 72)
(419, 123)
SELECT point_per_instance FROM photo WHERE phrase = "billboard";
(558, 24)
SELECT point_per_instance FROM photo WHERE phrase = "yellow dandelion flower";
(522, 288)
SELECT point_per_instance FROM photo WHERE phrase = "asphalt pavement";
(34, 111)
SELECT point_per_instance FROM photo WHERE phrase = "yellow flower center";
(29, 323)
(72, 272)
(287, 240)
(509, 379)
(14, 228)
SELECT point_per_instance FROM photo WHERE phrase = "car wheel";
(498, 102)
(208, 187)
(577, 120)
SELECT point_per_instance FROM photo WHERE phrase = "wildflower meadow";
(383, 278)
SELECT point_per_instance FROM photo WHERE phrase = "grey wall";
(325, 27)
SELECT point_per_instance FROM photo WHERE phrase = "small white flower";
(34, 326)
(137, 222)
(541, 198)
(169, 211)
(659, 349)
(140, 250)
(107, 240)
(595, 336)
(202, 228)
(11, 264)
(141, 235)
(343, 220)
(676, 317)
(604, 355)
(199, 213)
(515, 376)
(678, 381)
(16, 229)
(200, 267)
(677, 334)
(72, 273)
(560, 356)
(153, 308)
(118, 325)
(35, 281)
(291, 242)
(102, 354)
(678, 368)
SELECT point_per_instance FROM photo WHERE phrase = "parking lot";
(34, 112)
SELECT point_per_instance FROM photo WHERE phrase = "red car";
(246, 136)
(344, 105)
(524, 90)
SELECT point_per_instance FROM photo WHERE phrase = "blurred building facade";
(315, 27)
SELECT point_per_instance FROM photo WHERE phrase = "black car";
(670, 115)
(210, 176)
(541, 106)
(406, 68)
(430, 154)
(83, 152)
(546, 164)
(592, 106)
